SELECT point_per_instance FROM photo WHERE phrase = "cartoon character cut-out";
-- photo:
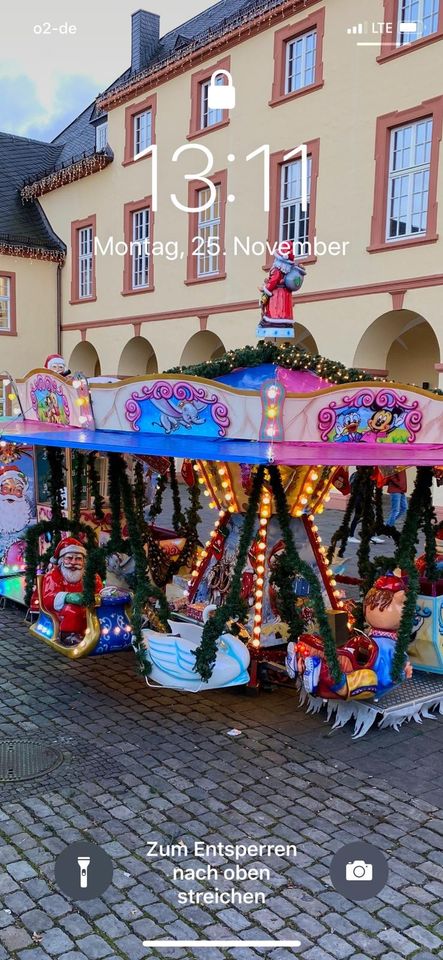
(185, 414)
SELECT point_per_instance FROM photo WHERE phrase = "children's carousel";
(264, 433)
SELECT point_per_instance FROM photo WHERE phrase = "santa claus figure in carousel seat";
(62, 590)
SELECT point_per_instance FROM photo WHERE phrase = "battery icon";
(408, 27)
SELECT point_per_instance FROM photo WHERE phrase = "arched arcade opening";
(204, 345)
(137, 358)
(84, 358)
(403, 343)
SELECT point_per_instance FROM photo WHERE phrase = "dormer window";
(101, 135)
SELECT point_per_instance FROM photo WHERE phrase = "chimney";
(145, 35)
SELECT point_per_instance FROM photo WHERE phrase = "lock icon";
(221, 96)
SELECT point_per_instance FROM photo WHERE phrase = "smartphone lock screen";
(221, 480)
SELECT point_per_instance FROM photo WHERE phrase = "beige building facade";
(28, 290)
(371, 119)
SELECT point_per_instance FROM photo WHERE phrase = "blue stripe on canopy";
(231, 451)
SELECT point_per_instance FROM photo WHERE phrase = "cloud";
(18, 103)
(22, 113)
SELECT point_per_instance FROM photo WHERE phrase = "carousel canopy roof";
(294, 381)
(234, 451)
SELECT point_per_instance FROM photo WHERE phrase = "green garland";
(157, 502)
(233, 607)
(429, 525)
(418, 511)
(78, 472)
(282, 577)
(94, 486)
(367, 529)
(161, 568)
(139, 494)
(56, 481)
(300, 566)
(178, 518)
(144, 590)
(116, 542)
(285, 355)
(193, 518)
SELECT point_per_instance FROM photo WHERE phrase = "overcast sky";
(47, 79)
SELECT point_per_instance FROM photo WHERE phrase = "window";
(407, 147)
(294, 222)
(139, 129)
(83, 260)
(209, 116)
(424, 13)
(138, 272)
(204, 118)
(409, 170)
(101, 135)
(287, 220)
(206, 236)
(298, 58)
(5, 302)
(140, 250)
(300, 61)
(142, 131)
(209, 222)
(427, 15)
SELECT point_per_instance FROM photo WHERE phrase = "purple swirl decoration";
(132, 412)
(165, 391)
(327, 420)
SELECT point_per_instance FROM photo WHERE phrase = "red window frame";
(197, 79)
(277, 162)
(12, 331)
(391, 15)
(76, 226)
(128, 210)
(150, 103)
(218, 179)
(385, 124)
(281, 39)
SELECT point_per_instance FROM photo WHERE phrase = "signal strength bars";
(359, 28)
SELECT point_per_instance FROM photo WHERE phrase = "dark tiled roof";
(204, 22)
(78, 137)
(80, 134)
(21, 158)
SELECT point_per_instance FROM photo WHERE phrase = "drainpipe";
(59, 309)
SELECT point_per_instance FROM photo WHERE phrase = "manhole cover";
(25, 759)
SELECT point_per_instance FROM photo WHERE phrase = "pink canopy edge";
(300, 381)
(358, 454)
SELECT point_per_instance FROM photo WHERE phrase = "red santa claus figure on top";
(56, 364)
(285, 277)
(62, 590)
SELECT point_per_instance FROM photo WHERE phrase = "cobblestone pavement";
(142, 764)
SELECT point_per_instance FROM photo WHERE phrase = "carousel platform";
(416, 699)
